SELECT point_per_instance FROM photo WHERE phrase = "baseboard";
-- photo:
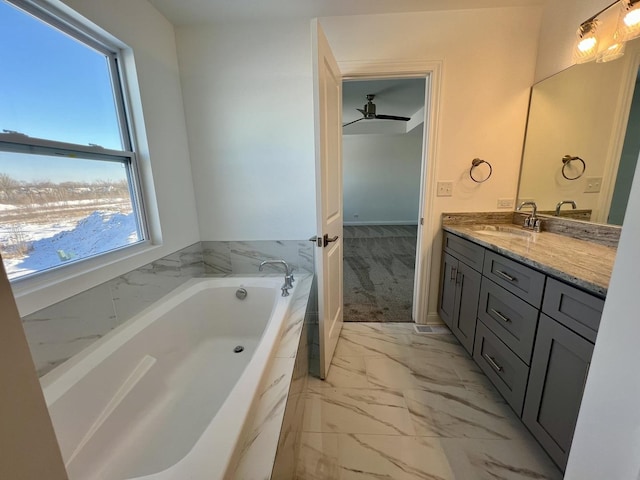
(363, 224)
(432, 319)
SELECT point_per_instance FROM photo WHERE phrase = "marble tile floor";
(379, 266)
(397, 405)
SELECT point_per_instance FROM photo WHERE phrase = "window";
(69, 187)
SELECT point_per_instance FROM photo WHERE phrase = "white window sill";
(49, 287)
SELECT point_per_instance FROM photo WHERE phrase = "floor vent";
(431, 330)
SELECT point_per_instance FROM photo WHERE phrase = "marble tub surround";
(583, 264)
(379, 269)
(406, 406)
(244, 257)
(269, 442)
(59, 331)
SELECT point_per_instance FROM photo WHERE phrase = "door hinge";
(421, 221)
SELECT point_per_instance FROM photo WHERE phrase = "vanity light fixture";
(629, 22)
(611, 48)
(603, 36)
(586, 48)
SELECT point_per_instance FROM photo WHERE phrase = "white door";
(328, 143)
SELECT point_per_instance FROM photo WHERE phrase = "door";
(328, 151)
(466, 305)
(448, 288)
(559, 368)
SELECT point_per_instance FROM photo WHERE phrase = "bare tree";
(8, 186)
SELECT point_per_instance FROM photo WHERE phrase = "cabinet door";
(466, 305)
(559, 369)
(448, 289)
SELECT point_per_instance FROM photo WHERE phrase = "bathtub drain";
(238, 349)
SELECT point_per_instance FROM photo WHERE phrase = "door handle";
(454, 274)
(327, 240)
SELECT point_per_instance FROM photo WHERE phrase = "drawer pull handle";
(501, 316)
(454, 273)
(507, 276)
(493, 363)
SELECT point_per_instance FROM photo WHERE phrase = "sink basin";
(503, 231)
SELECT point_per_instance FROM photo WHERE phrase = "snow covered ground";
(52, 245)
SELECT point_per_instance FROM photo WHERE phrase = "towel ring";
(566, 160)
(475, 163)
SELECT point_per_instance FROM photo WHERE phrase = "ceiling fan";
(369, 112)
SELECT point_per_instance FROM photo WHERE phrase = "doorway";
(382, 165)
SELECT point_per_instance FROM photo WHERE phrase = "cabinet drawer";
(519, 279)
(464, 250)
(512, 319)
(575, 309)
(503, 367)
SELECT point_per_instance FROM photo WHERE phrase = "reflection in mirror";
(590, 111)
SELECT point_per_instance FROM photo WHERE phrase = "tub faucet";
(559, 206)
(288, 274)
(530, 222)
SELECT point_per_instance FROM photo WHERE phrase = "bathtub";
(165, 396)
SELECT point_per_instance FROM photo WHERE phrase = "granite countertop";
(584, 264)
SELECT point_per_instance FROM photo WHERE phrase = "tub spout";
(288, 274)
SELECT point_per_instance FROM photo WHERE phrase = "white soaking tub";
(164, 396)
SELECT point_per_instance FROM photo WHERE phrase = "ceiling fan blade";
(353, 122)
(392, 117)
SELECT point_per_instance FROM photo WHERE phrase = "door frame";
(431, 70)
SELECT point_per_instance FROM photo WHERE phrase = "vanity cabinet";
(564, 344)
(460, 287)
(532, 335)
(558, 374)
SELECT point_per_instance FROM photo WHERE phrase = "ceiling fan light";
(586, 47)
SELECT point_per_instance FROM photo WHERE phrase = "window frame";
(20, 142)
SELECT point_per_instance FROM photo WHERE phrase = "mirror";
(590, 111)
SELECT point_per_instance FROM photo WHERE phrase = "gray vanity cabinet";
(460, 288)
(558, 373)
(534, 335)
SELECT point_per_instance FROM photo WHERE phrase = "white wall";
(488, 57)
(382, 178)
(248, 97)
(249, 110)
(607, 437)
(160, 135)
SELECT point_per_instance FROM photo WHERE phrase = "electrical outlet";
(593, 185)
(506, 202)
(445, 189)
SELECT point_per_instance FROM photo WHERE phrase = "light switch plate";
(594, 184)
(445, 189)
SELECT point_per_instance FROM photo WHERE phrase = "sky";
(53, 87)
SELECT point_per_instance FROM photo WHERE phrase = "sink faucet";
(532, 220)
(559, 206)
(288, 274)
